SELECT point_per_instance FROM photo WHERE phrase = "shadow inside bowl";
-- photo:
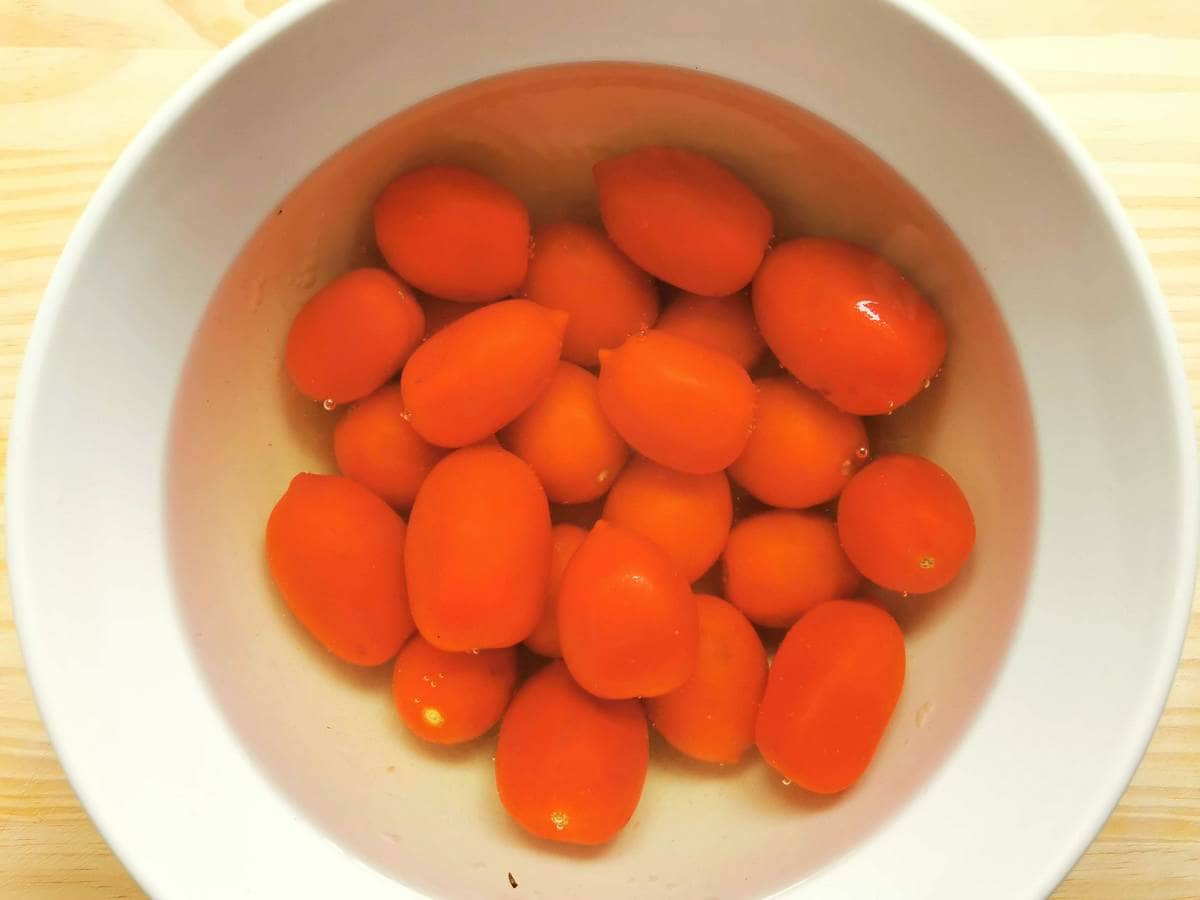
(326, 735)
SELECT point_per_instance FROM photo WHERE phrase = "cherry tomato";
(567, 440)
(577, 269)
(478, 551)
(440, 313)
(906, 525)
(712, 716)
(449, 698)
(453, 233)
(569, 766)
(352, 336)
(565, 539)
(803, 449)
(376, 446)
(719, 323)
(688, 516)
(847, 324)
(833, 686)
(680, 404)
(336, 553)
(626, 618)
(683, 218)
(779, 565)
(478, 374)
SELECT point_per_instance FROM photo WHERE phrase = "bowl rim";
(1054, 865)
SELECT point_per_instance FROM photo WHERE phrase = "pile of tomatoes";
(544, 390)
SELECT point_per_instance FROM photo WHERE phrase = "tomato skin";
(352, 336)
(905, 523)
(451, 698)
(680, 404)
(479, 373)
(453, 233)
(712, 716)
(780, 564)
(567, 440)
(336, 554)
(577, 269)
(833, 686)
(565, 539)
(687, 516)
(846, 323)
(725, 324)
(478, 551)
(683, 218)
(376, 446)
(803, 449)
(569, 766)
(627, 621)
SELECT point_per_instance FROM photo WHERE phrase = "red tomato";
(377, 447)
(569, 766)
(352, 336)
(711, 717)
(680, 404)
(578, 270)
(779, 565)
(565, 540)
(833, 686)
(725, 324)
(626, 619)
(566, 439)
(478, 374)
(803, 449)
(905, 524)
(453, 233)
(478, 551)
(847, 324)
(336, 553)
(449, 698)
(688, 516)
(683, 218)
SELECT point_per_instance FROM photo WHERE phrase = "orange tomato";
(847, 324)
(626, 619)
(336, 553)
(352, 336)
(680, 404)
(449, 698)
(779, 565)
(712, 716)
(567, 440)
(478, 551)
(683, 218)
(569, 766)
(833, 686)
(453, 233)
(577, 269)
(440, 313)
(376, 446)
(564, 541)
(725, 324)
(905, 523)
(688, 516)
(478, 374)
(803, 449)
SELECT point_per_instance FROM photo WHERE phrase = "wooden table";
(79, 77)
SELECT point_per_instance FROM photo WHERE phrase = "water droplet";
(904, 594)
(862, 452)
(559, 819)
(433, 716)
(891, 407)
(925, 385)
(329, 403)
(787, 782)
(924, 713)
(602, 476)
(475, 652)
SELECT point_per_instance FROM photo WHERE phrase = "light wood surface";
(79, 77)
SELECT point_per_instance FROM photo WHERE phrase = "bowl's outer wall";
(142, 737)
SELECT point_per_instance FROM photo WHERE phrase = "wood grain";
(78, 78)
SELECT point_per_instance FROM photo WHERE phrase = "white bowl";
(221, 754)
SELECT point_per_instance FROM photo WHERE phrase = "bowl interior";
(325, 733)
